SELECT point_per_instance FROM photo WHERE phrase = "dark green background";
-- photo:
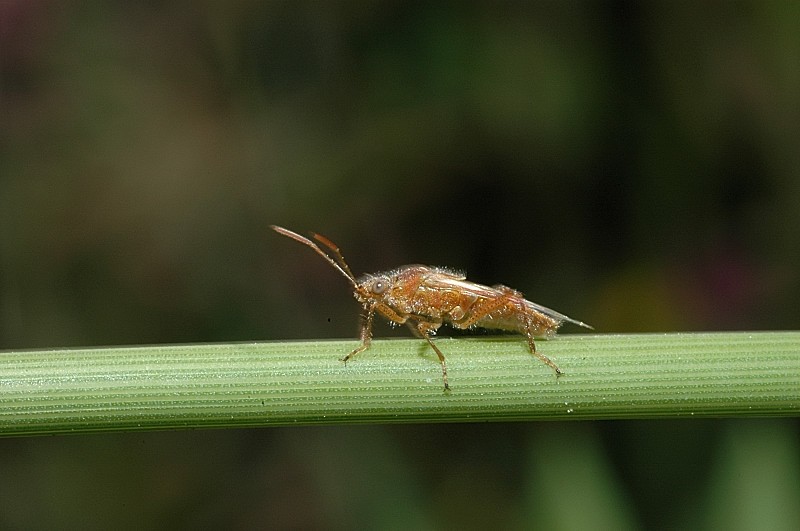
(633, 165)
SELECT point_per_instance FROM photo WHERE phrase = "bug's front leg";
(365, 335)
(367, 316)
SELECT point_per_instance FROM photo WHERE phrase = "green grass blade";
(280, 383)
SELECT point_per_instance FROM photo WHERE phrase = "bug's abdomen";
(517, 319)
(509, 312)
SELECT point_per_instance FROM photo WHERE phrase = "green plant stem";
(293, 383)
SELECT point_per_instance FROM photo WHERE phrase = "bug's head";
(373, 287)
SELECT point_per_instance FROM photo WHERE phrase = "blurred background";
(633, 165)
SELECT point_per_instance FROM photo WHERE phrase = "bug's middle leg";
(425, 330)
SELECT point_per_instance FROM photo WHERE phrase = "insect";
(424, 298)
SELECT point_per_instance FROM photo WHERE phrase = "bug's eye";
(379, 286)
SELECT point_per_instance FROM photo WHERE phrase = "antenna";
(340, 266)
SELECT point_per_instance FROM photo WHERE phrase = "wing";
(448, 273)
(442, 279)
(479, 291)
(560, 317)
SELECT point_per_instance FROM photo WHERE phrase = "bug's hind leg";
(532, 346)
